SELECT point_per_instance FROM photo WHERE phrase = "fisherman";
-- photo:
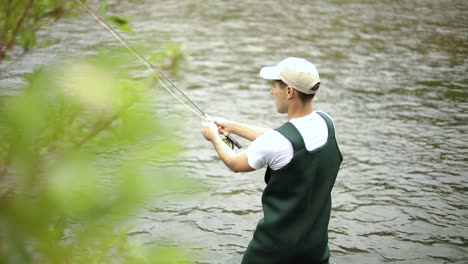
(302, 159)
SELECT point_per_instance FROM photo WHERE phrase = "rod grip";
(232, 140)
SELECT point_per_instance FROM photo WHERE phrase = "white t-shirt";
(275, 150)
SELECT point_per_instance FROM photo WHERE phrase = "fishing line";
(148, 64)
(157, 73)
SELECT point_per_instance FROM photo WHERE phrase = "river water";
(394, 79)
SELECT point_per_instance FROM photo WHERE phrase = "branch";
(4, 33)
(5, 29)
(10, 44)
(4, 172)
(105, 124)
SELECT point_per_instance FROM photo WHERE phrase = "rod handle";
(232, 139)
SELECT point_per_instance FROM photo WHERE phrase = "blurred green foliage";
(170, 56)
(21, 19)
(70, 174)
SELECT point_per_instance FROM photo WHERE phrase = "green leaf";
(103, 6)
(120, 22)
(68, 198)
(27, 39)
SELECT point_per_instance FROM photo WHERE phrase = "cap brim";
(270, 73)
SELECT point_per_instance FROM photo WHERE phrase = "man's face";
(280, 96)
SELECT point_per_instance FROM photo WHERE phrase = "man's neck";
(299, 110)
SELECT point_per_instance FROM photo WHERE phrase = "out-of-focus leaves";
(77, 155)
(120, 22)
(27, 39)
(20, 20)
(103, 6)
(170, 56)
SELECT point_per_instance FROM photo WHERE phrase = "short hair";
(280, 83)
(302, 96)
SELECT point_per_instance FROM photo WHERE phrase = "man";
(302, 159)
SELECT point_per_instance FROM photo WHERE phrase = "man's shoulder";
(271, 135)
(313, 129)
(271, 149)
(271, 142)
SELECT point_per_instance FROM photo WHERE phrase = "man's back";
(297, 203)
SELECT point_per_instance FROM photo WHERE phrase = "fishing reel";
(231, 141)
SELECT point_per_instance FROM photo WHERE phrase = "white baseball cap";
(297, 72)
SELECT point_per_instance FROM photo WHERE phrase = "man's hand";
(237, 162)
(210, 130)
(223, 124)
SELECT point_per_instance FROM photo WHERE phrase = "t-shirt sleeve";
(271, 149)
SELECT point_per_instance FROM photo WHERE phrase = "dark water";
(394, 78)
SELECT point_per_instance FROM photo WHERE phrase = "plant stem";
(10, 44)
(100, 127)
(6, 164)
(4, 33)
(4, 172)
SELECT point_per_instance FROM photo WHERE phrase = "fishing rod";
(158, 74)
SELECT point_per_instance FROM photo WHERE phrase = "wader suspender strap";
(289, 131)
(331, 128)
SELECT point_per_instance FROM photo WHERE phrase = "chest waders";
(297, 204)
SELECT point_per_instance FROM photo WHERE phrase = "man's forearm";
(225, 153)
(247, 131)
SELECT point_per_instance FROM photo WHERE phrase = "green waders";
(297, 204)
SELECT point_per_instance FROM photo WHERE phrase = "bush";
(21, 19)
(71, 173)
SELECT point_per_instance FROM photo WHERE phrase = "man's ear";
(290, 91)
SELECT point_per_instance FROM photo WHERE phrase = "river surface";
(394, 79)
